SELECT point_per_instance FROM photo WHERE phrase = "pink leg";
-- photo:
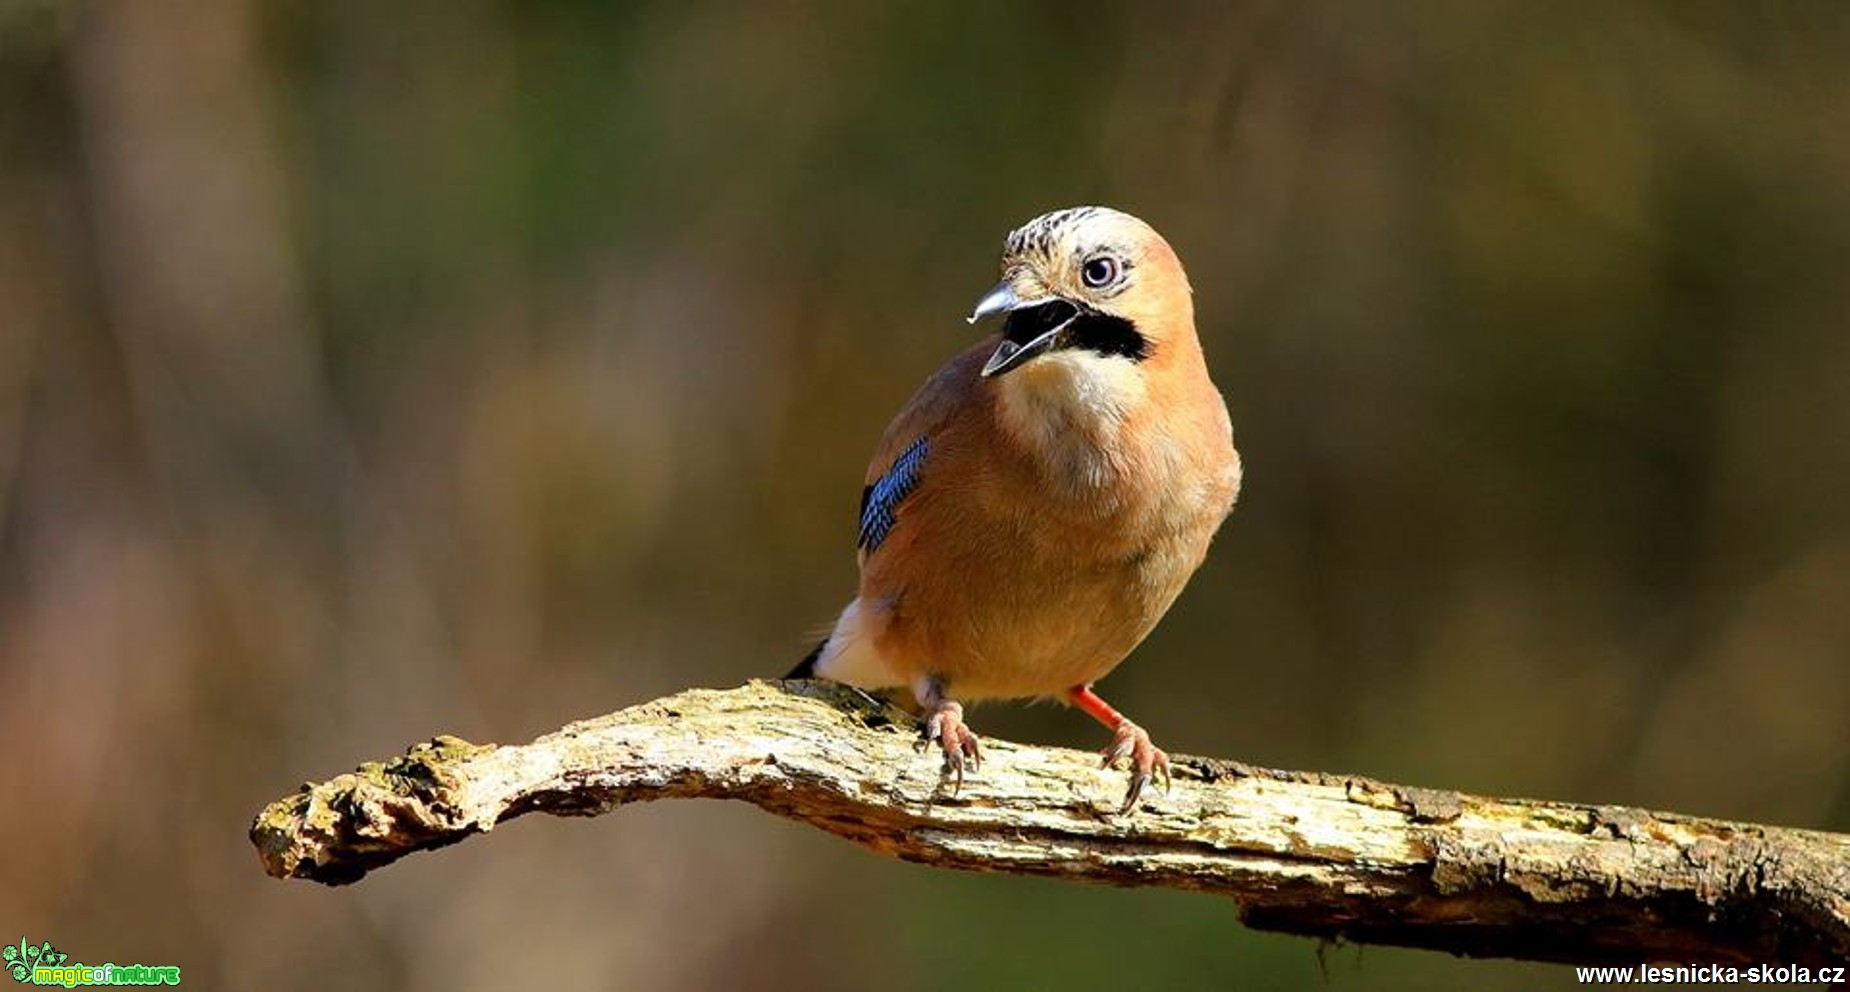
(944, 723)
(1128, 741)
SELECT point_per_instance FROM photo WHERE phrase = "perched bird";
(1032, 512)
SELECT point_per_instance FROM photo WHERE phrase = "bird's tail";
(806, 669)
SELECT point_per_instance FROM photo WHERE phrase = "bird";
(1034, 509)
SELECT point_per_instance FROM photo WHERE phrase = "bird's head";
(1090, 284)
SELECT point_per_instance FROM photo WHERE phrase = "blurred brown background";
(374, 370)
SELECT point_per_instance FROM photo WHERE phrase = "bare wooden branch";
(1331, 856)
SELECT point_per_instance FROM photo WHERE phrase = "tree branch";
(1331, 856)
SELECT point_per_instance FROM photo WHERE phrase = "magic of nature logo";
(43, 964)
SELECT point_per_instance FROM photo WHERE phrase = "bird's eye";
(1099, 271)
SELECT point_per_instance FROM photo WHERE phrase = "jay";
(1036, 507)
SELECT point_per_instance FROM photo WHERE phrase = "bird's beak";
(1010, 355)
(1002, 299)
(1034, 326)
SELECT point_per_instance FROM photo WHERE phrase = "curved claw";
(958, 742)
(1148, 762)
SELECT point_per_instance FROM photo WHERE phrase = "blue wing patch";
(880, 500)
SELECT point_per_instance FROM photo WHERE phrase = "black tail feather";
(806, 669)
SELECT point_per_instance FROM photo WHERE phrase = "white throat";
(1069, 407)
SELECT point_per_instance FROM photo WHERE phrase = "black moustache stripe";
(1108, 336)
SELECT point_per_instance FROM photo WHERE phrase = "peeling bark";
(1331, 856)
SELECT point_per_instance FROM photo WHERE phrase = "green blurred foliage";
(374, 370)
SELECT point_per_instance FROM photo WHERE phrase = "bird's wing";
(882, 497)
(933, 426)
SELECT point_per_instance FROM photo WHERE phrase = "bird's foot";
(946, 726)
(1147, 761)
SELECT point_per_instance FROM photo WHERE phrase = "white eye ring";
(1099, 271)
